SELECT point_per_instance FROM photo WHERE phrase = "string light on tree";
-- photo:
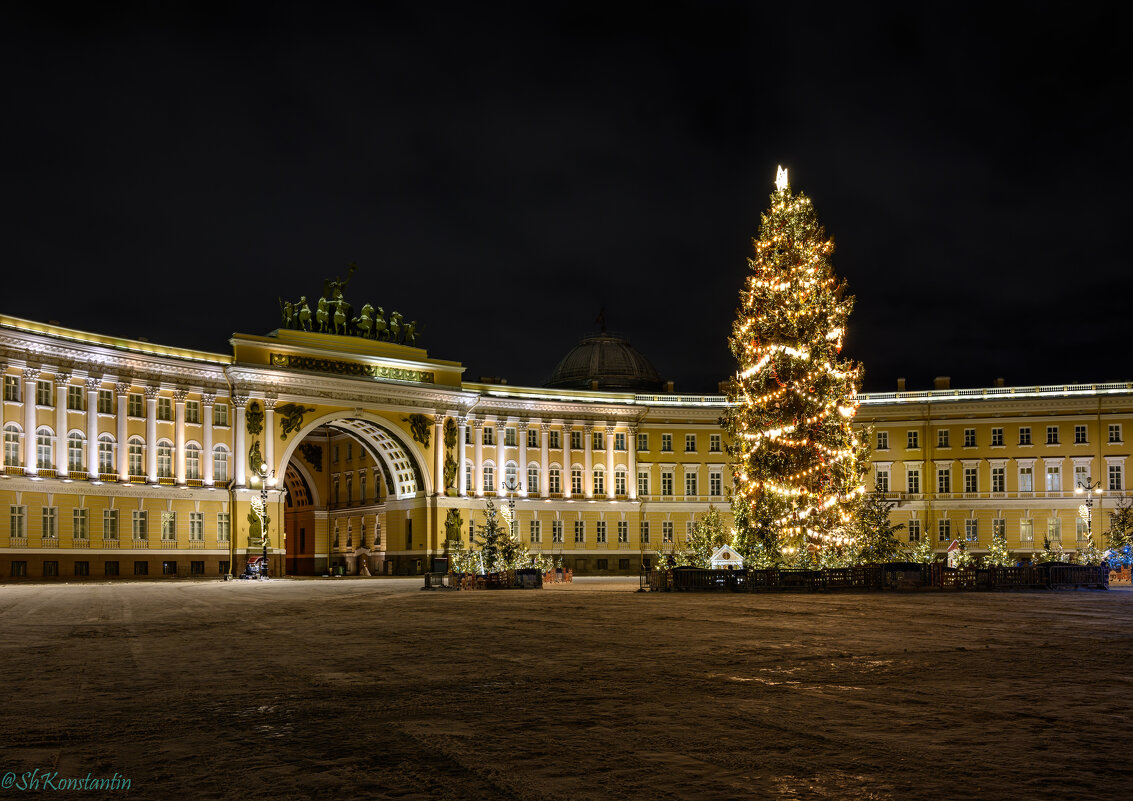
(798, 464)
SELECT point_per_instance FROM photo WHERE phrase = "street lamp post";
(1089, 488)
(264, 474)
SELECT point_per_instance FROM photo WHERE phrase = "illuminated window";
(192, 462)
(11, 445)
(1052, 435)
(623, 531)
(600, 532)
(690, 485)
(914, 530)
(12, 388)
(643, 482)
(998, 479)
(50, 523)
(1026, 530)
(164, 408)
(913, 481)
(971, 531)
(944, 530)
(220, 464)
(43, 449)
(165, 459)
(532, 480)
(1026, 479)
(556, 531)
(883, 440)
(75, 451)
(554, 481)
(75, 399)
(644, 532)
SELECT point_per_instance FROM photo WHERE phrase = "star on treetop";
(781, 178)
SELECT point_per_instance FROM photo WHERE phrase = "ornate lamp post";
(263, 515)
(1085, 511)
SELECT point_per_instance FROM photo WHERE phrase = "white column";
(631, 463)
(460, 455)
(123, 389)
(501, 456)
(61, 465)
(207, 402)
(566, 462)
(151, 434)
(269, 437)
(30, 376)
(544, 461)
(239, 457)
(179, 435)
(610, 463)
(92, 426)
(521, 433)
(439, 453)
(478, 457)
(587, 466)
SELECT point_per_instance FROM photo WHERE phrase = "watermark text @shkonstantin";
(52, 780)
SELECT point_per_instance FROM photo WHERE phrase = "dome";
(608, 360)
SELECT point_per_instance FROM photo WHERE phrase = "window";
(139, 525)
(220, 464)
(1025, 435)
(43, 456)
(997, 437)
(197, 568)
(666, 482)
(50, 523)
(579, 531)
(642, 483)
(944, 479)
(164, 408)
(599, 482)
(489, 435)
(998, 479)
(667, 531)
(619, 482)
(75, 400)
(603, 564)
(75, 451)
(942, 438)
(597, 440)
(105, 401)
(165, 459)
(575, 482)
(999, 527)
(913, 481)
(19, 567)
(532, 437)
(192, 462)
(220, 415)
(623, 531)
(468, 477)
(1026, 530)
(134, 456)
(509, 437)
(141, 568)
(533, 480)
(1052, 435)
(881, 480)
(196, 526)
(1053, 478)
(350, 450)
(1081, 530)
(969, 438)
(468, 435)
(82, 568)
(643, 442)
(110, 524)
(534, 534)
(11, 446)
(489, 480)
(971, 530)
(912, 440)
(690, 443)
(690, 485)
(1054, 529)
(169, 568)
(1080, 435)
(1115, 433)
(193, 411)
(716, 483)
(12, 388)
(1115, 479)
(619, 441)
(134, 406)
(914, 531)
(600, 531)
(554, 481)
(944, 530)
(644, 532)
(51, 567)
(666, 442)
(43, 393)
(168, 526)
(883, 440)
(223, 527)
(576, 440)
(556, 531)
(511, 477)
(715, 443)
(16, 521)
(1026, 479)
(971, 479)
(554, 436)
(106, 454)
(110, 569)
(79, 528)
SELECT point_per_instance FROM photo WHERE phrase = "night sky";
(503, 174)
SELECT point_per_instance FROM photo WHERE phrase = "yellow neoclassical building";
(124, 458)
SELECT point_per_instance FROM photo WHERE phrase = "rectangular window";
(575, 482)
(715, 443)
(716, 483)
(1115, 479)
(579, 531)
(554, 481)
(19, 567)
(971, 479)
(468, 434)
(643, 442)
(79, 527)
(603, 564)
(599, 482)
(110, 524)
(997, 437)
(942, 438)
(642, 483)
(1025, 435)
(51, 567)
(881, 480)
(690, 485)
(883, 440)
(944, 479)
(969, 438)
(913, 482)
(43, 393)
(644, 532)
(1079, 435)
(139, 523)
(75, 399)
(912, 440)
(555, 444)
(690, 443)
(1115, 433)
(999, 527)
(556, 531)
(1052, 435)
(666, 482)
(220, 415)
(619, 482)
(134, 405)
(597, 441)
(576, 440)
(532, 437)
(998, 479)
(165, 408)
(110, 569)
(666, 443)
(667, 531)
(12, 388)
(623, 531)
(944, 530)
(914, 531)
(1054, 529)
(533, 481)
(489, 435)
(509, 437)
(169, 568)
(50, 523)
(168, 526)
(533, 532)
(105, 401)
(619, 440)
(1026, 479)
(141, 568)
(196, 526)
(600, 531)
(196, 568)
(1026, 530)
(192, 411)
(971, 530)
(489, 478)
(1053, 478)
(82, 568)
(350, 451)
(16, 522)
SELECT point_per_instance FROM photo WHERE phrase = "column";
(269, 437)
(123, 390)
(544, 461)
(566, 462)
(478, 457)
(207, 402)
(521, 433)
(501, 456)
(62, 467)
(631, 463)
(179, 396)
(587, 459)
(92, 426)
(239, 457)
(460, 455)
(610, 463)
(30, 376)
(151, 434)
(439, 453)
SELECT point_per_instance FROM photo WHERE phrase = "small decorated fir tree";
(1120, 537)
(708, 534)
(923, 551)
(875, 536)
(997, 554)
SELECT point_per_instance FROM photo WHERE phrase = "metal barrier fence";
(507, 580)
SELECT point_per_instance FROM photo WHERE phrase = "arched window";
(489, 477)
(192, 461)
(532, 479)
(75, 451)
(106, 454)
(11, 445)
(511, 477)
(599, 481)
(220, 463)
(619, 482)
(43, 449)
(134, 452)
(164, 459)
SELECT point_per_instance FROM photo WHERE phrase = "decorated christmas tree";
(708, 534)
(875, 534)
(1119, 540)
(997, 554)
(797, 462)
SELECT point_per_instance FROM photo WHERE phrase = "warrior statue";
(395, 327)
(304, 314)
(381, 329)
